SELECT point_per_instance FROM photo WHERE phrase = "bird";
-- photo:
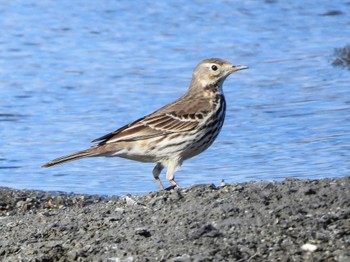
(174, 133)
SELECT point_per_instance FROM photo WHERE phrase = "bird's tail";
(75, 156)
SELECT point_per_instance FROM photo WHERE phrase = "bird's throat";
(214, 89)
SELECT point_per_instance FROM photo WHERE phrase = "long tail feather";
(75, 156)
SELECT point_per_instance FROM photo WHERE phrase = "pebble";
(309, 247)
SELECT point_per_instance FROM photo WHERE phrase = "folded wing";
(152, 126)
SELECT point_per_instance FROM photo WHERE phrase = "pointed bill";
(240, 67)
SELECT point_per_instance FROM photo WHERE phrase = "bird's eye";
(214, 67)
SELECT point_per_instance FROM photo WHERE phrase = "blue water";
(73, 71)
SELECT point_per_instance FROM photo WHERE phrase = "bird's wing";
(180, 116)
(153, 126)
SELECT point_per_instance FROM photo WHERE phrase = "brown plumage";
(175, 132)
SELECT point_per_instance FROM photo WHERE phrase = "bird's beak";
(236, 68)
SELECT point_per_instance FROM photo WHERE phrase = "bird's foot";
(173, 185)
(170, 188)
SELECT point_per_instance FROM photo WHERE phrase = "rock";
(183, 258)
(309, 247)
(143, 232)
(129, 201)
(72, 255)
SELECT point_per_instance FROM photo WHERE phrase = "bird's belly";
(137, 151)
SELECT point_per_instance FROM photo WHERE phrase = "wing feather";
(169, 119)
(149, 127)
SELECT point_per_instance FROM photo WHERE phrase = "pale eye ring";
(214, 67)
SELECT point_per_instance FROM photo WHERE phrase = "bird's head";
(211, 73)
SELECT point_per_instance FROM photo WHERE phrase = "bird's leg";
(170, 174)
(156, 172)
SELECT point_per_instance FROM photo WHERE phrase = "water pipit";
(175, 132)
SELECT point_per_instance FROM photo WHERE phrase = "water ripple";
(92, 67)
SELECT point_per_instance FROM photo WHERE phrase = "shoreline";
(292, 220)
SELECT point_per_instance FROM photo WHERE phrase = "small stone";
(72, 255)
(222, 184)
(20, 204)
(309, 247)
(113, 259)
(119, 210)
(129, 201)
(176, 195)
(117, 259)
(208, 231)
(143, 232)
(183, 258)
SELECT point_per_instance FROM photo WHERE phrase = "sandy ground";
(293, 220)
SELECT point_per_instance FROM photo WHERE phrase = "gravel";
(293, 220)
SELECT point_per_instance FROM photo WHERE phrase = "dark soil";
(294, 220)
